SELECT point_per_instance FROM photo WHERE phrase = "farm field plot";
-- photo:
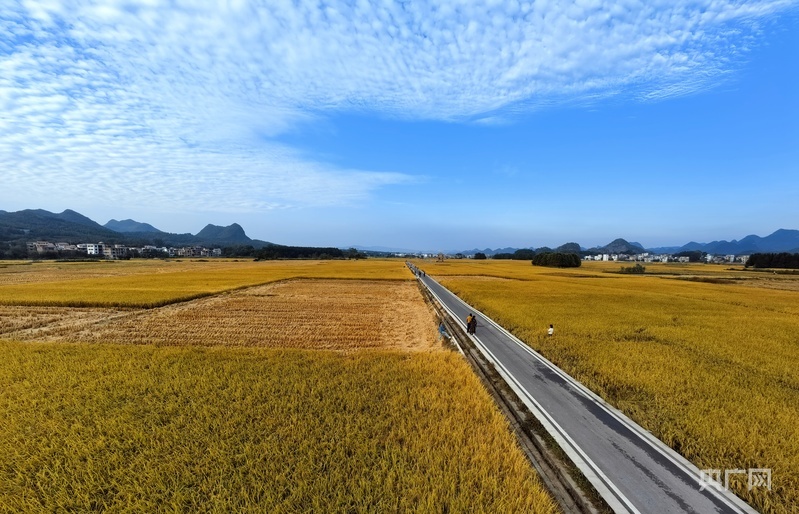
(156, 283)
(92, 428)
(314, 314)
(709, 368)
(298, 395)
(693, 272)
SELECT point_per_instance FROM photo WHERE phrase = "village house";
(112, 252)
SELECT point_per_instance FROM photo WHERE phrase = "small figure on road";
(550, 330)
(471, 324)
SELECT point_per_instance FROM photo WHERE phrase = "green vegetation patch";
(557, 260)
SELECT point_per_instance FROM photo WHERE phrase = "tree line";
(557, 260)
(524, 254)
(773, 260)
(276, 252)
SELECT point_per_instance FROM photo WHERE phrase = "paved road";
(632, 470)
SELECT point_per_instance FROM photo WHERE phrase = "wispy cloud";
(176, 103)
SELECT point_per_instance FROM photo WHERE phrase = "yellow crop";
(703, 357)
(148, 429)
(314, 314)
(156, 283)
(237, 414)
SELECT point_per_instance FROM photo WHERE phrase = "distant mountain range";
(130, 226)
(782, 240)
(73, 227)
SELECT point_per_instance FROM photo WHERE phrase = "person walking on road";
(471, 324)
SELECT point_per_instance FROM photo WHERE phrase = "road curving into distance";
(633, 471)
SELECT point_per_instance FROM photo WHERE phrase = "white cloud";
(176, 103)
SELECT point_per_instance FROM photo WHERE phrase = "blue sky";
(408, 125)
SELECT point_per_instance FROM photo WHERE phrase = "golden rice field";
(154, 283)
(306, 392)
(708, 365)
(94, 428)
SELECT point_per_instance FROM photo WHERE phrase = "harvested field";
(37, 323)
(312, 314)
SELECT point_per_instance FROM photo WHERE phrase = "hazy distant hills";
(70, 226)
(130, 226)
(230, 234)
(73, 227)
(616, 246)
(38, 224)
(488, 251)
(620, 246)
(782, 240)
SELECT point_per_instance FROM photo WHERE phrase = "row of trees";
(524, 254)
(693, 255)
(275, 252)
(783, 260)
(557, 260)
(15, 250)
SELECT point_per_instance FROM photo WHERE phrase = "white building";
(91, 248)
